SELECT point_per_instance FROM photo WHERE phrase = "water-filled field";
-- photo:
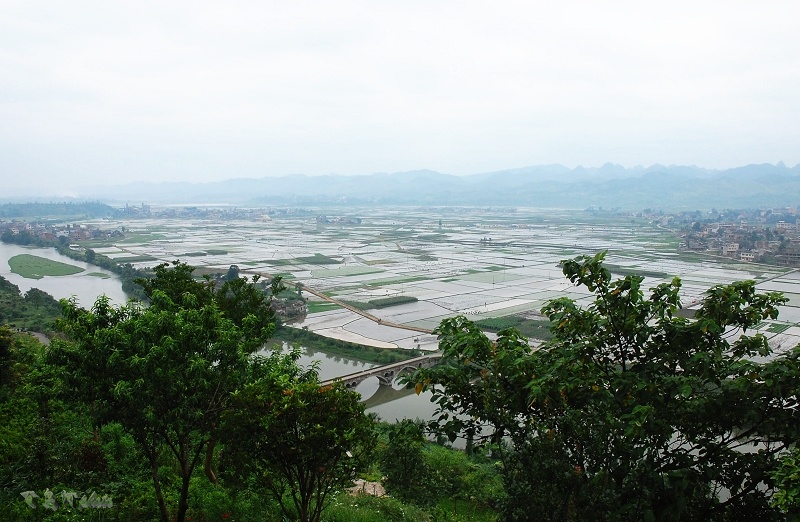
(480, 263)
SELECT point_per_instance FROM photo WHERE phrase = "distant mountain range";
(671, 187)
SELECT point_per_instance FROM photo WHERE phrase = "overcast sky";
(106, 92)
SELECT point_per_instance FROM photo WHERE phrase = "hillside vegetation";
(629, 412)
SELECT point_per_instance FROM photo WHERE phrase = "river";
(83, 286)
(389, 403)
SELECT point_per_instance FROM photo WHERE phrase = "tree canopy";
(165, 371)
(298, 440)
(631, 411)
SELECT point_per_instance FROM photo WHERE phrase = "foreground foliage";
(429, 474)
(34, 310)
(299, 441)
(165, 409)
(787, 482)
(630, 412)
(163, 372)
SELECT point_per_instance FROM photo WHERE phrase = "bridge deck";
(416, 362)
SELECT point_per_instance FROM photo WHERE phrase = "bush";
(403, 463)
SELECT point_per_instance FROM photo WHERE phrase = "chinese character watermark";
(67, 499)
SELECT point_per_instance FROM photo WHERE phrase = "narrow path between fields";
(362, 313)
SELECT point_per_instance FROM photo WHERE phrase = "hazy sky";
(107, 92)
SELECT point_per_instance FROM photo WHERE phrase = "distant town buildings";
(767, 236)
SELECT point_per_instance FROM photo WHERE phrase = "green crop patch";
(625, 271)
(321, 306)
(318, 259)
(278, 262)
(346, 271)
(536, 329)
(35, 267)
(143, 237)
(778, 328)
(395, 280)
(135, 259)
(392, 301)
(379, 262)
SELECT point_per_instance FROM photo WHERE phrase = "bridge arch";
(387, 373)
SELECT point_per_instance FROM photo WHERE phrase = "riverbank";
(341, 348)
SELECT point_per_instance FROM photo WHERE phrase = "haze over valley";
(548, 186)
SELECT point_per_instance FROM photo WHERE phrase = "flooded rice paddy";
(480, 263)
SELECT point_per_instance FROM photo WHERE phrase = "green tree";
(36, 310)
(298, 440)
(175, 279)
(403, 462)
(165, 372)
(5, 354)
(233, 273)
(787, 482)
(630, 412)
(41, 434)
(241, 298)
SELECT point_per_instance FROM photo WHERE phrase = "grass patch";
(101, 275)
(426, 257)
(35, 267)
(194, 254)
(213, 252)
(367, 508)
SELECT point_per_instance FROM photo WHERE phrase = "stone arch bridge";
(387, 373)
